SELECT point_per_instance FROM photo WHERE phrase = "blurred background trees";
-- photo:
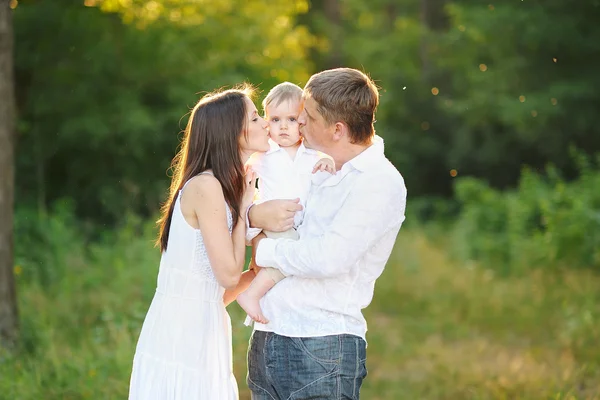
(468, 88)
(103, 89)
(489, 109)
(8, 298)
(477, 90)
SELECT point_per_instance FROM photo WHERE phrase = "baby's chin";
(286, 142)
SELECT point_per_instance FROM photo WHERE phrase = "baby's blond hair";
(285, 91)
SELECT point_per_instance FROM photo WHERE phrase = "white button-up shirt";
(349, 229)
(281, 177)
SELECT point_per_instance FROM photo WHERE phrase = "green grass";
(443, 331)
(437, 330)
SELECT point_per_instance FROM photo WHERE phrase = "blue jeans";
(286, 368)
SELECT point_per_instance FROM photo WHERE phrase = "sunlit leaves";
(262, 35)
(109, 82)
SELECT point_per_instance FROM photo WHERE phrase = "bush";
(83, 295)
(545, 222)
(46, 243)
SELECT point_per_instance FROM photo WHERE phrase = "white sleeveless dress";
(184, 349)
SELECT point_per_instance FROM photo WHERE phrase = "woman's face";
(256, 138)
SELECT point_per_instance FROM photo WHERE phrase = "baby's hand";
(325, 164)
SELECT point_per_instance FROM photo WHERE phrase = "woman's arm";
(232, 294)
(226, 252)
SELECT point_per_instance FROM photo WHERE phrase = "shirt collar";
(370, 155)
(302, 149)
(273, 147)
(362, 162)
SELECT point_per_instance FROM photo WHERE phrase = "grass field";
(437, 329)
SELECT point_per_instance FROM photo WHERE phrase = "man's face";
(313, 126)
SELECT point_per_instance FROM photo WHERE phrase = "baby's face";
(283, 122)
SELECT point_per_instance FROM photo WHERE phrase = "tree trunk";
(433, 18)
(424, 10)
(333, 15)
(8, 298)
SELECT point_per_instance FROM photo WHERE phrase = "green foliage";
(103, 86)
(103, 96)
(46, 243)
(521, 83)
(480, 87)
(547, 222)
(82, 303)
(473, 334)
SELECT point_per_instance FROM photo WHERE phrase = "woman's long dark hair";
(211, 141)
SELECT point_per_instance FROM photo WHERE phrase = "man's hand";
(274, 215)
(253, 266)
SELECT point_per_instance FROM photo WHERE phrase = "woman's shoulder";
(256, 160)
(203, 188)
(201, 198)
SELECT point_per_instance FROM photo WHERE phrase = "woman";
(184, 349)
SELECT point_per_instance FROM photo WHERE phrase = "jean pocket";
(258, 392)
(322, 387)
(324, 349)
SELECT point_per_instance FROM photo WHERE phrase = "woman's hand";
(249, 190)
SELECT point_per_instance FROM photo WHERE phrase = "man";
(314, 344)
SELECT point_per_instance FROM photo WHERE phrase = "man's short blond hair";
(346, 95)
(285, 91)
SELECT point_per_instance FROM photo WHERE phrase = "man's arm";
(274, 215)
(371, 210)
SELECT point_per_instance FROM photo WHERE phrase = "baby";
(284, 172)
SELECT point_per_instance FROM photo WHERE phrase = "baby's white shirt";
(280, 177)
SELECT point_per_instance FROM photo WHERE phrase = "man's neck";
(347, 152)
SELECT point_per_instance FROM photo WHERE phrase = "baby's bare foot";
(251, 305)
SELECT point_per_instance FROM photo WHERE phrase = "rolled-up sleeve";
(371, 210)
